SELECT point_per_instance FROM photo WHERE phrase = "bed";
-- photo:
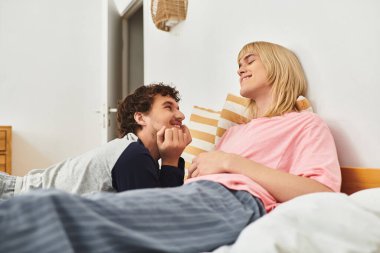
(320, 222)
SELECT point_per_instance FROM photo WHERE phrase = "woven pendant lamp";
(168, 13)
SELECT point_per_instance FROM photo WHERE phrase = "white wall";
(53, 57)
(337, 42)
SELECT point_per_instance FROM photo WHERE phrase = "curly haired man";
(150, 128)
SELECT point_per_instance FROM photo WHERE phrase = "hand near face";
(171, 142)
(209, 163)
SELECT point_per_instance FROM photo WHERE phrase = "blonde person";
(280, 154)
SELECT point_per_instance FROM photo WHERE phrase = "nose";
(179, 115)
(240, 71)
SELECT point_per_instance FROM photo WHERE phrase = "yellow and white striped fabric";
(303, 103)
(203, 125)
(234, 112)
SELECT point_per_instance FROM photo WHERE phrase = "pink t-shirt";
(299, 143)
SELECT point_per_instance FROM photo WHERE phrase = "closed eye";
(250, 59)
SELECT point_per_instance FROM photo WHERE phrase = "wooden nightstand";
(6, 149)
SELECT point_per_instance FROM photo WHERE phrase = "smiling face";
(254, 83)
(272, 76)
(164, 112)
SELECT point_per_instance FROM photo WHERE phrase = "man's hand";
(171, 142)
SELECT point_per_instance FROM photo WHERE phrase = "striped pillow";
(303, 103)
(234, 112)
(203, 125)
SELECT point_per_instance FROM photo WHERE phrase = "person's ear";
(140, 118)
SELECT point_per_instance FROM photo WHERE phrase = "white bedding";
(319, 222)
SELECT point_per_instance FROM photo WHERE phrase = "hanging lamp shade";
(168, 13)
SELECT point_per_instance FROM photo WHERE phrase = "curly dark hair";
(140, 100)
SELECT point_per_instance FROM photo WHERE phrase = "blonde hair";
(284, 73)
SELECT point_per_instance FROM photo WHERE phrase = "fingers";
(169, 134)
(194, 173)
(181, 137)
(174, 137)
(185, 130)
(193, 169)
(160, 135)
(186, 134)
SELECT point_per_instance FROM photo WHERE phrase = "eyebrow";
(169, 103)
(245, 58)
(249, 55)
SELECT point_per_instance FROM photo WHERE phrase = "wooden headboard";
(356, 179)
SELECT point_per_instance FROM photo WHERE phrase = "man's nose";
(180, 115)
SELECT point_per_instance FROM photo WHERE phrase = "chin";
(243, 93)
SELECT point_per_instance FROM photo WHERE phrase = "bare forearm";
(283, 186)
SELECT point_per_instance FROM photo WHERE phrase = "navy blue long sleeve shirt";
(136, 169)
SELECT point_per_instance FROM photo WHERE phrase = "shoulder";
(135, 149)
(313, 126)
(298, 123)
(310, 115)
(136, 153)
(116, 145)
(313, 119)
(305, 119)
(134, 156)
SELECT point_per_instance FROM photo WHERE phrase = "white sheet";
(319, 222)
